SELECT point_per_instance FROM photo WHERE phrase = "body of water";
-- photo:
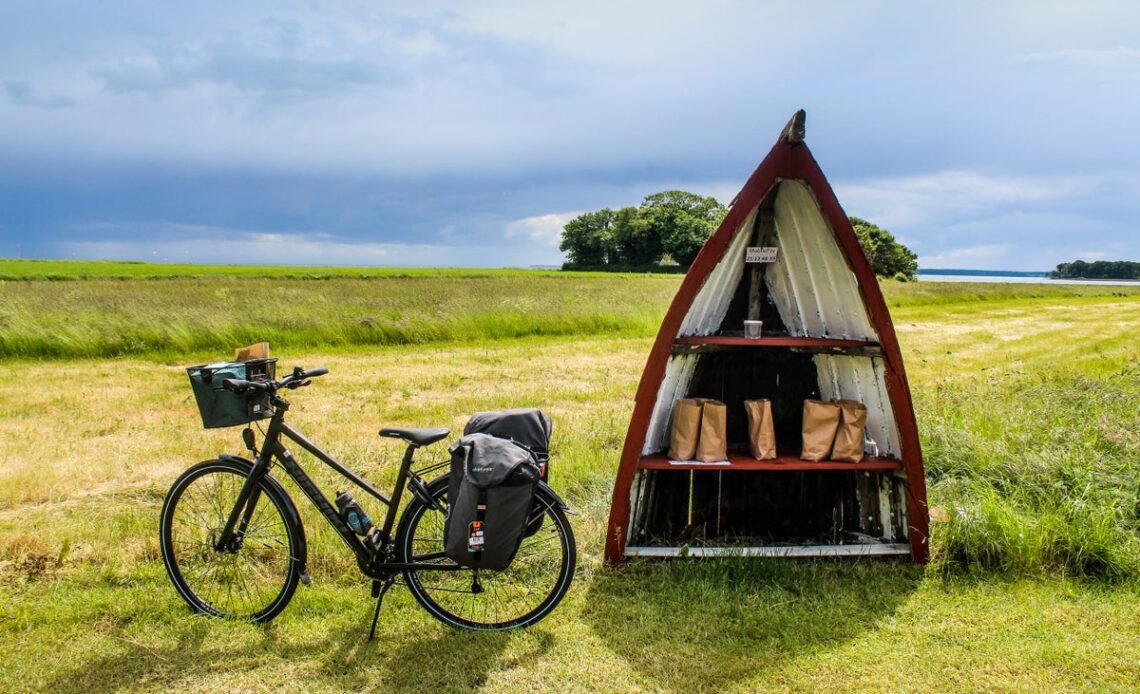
(1016, 279)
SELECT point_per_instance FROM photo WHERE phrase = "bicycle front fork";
(233, 534)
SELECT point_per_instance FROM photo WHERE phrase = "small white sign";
(760, 254)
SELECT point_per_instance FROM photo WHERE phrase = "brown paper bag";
(848, 447)
(257, 351)
(686, 429)
(713, 444)
(821, 420)
(761, 430)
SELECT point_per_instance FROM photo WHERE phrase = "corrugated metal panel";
(811, 283)
(885, 516)
(862, 379)
(674, 386)
(711, 303)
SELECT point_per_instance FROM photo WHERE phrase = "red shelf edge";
(734, 341)
(742, 461)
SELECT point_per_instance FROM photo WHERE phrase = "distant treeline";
(1098, 270)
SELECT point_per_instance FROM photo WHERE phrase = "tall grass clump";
(1036, 473)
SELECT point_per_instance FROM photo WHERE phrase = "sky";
(983, 135)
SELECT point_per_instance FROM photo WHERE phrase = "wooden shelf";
(745, 462)
(777, 341)
(878, 549)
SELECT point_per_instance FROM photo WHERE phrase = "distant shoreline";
(1010, 276)
(983, 273)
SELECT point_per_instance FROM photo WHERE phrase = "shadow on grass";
(704, 625)
(405, 656)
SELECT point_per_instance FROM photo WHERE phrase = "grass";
(206, 309)
(1026, 404)
(17, 269)
(108, 318)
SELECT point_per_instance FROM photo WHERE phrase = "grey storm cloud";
(23, 93)
(240, 70)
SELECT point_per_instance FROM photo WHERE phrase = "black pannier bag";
(491, 490)
(528, 427)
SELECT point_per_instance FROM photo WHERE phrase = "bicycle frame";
(375, 564)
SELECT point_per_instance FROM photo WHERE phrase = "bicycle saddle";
(416, 437)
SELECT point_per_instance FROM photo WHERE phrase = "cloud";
(545, 228)
(969, 219)
(1083, 57)
(969, 257)
(950, 197)
(21, 92)
(239, 70)
(1094, 255)
(299, 249)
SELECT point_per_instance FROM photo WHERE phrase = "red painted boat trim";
(785, 161)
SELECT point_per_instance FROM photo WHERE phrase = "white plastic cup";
(752, 329)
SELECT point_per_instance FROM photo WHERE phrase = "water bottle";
(351, 513)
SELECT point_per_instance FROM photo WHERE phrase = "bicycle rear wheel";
(520, 595)
(256, 580)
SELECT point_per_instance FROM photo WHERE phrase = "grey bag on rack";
(529, 427)
(491, 491)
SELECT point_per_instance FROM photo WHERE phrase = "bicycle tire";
(264, 571)
(442, 593)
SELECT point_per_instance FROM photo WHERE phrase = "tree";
(682, 221)
(671, 222)
(888, 257)
(1098, 269)
(588, 238)
(636, 244)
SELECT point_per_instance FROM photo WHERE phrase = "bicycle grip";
(235, 385)
(318, 371)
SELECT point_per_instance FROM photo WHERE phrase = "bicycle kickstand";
(379, 588)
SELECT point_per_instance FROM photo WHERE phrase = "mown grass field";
(1028, 400)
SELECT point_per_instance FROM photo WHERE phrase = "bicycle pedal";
(305, 579)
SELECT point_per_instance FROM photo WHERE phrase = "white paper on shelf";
(698, 462)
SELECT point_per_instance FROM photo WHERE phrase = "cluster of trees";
(1099, 269)
(889, 257)
(670, 225)
(674, 224)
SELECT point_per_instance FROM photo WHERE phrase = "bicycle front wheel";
(517, 596)
(255, 579)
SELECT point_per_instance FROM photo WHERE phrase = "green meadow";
(1028, 400)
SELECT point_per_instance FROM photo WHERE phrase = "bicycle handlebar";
(299, 378)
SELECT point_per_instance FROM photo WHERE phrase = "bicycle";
(234, 545)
